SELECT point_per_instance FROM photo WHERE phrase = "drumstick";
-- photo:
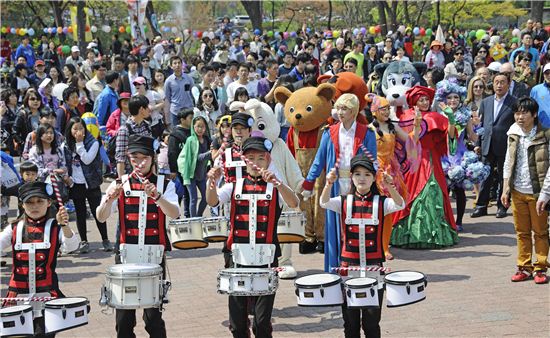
(24, 299)
(56, 190)
(367, 152)
(358, 268)
(136, 172)
(247, 161)
(224, 145)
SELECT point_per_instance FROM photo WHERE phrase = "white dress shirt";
(497, 105)
(345, 144)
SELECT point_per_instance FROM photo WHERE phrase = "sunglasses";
(207, 95)
(145, 60)
(34, 99)
(483, 51)
(459, 53)
(478, 87)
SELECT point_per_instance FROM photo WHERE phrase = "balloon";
(429, 32)
(106, 28)
(66, 49)
(13, 30)
(87, 28)
(65, 30)
(212, 35)
(53, 30)
(4, 30)
(91, 123)
(308, 30)
(377, 29)
(70, 29)
(245, 35)
(480, 33)
(60, 50)
(174, 30)
(186, 32)
(547, 28)
(293, 34)
(515, 39)
(128, 29)
(16, 31)
(30, 31)
(121, 29)
(355, 31)
(422, 31)
(372, 30)
(416, 30)
(472, 34)
(199, 34)
(401, 29)
(516, 32)
(363, 30)
(257, 31)
(59, 30)
(46, 30)
(93, 29)
(270, 34)
(336, 34)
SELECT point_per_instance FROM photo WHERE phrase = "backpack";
(111, 146)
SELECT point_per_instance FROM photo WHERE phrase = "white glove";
(306, 194)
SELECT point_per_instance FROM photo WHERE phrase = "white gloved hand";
(306, 194)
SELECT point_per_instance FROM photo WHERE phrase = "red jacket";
(113, 123)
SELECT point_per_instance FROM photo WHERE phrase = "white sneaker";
(288, 272)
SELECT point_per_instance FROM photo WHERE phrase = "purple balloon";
(65, 30)
(293, 34)
(363, 30)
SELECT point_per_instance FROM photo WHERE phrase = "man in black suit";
(517, 89)
(497, 117)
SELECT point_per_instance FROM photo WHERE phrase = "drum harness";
(361, 222)
(38, 306)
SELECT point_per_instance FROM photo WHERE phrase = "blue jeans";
(192, 188)
(175, 120)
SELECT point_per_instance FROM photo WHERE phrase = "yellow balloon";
(336, 34)
(372, 30)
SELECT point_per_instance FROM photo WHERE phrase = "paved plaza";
(469, 293)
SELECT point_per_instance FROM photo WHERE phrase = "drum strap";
(142, 219)
(362, 222)
(229, 162)
(31, 248)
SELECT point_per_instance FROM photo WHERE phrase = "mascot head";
(397, 77)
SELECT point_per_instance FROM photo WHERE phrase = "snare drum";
(362, 293)
(405, 287)
(247, 282)
(133, 286)
(16, 321)
(291, 227)
(215, 229)
(187, 233)
(66, 313)
(322, 289)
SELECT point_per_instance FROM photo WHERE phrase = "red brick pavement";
(469, 292)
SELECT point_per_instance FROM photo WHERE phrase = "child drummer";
(363, 201)
(160, 204)
(241, 127)
(257, 150)
(34, 226)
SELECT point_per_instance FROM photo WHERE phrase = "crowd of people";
(175, 112)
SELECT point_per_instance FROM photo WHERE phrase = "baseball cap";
(140, 80)
(39, 63)
(546, 67)
(75, 49)
(45, 82)
(495, 66)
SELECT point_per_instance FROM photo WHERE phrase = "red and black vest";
(45, 259)
(129, 211)
(361, 208)
(234, 168)
(267, 213)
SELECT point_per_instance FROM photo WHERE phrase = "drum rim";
(83, 302)
(369, 285)
(405, 304)
(223, 218)
(416, 281)
(24, 309)
(321, 285)
(323, 305)
(256, 270)
(154, 269)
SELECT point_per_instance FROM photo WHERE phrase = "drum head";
(67, 302)
(403, 277)
(360, 282)
(134, 270)
(321, 279)
(186, 221)
(189, 244)
(11, 310)
(290, 238)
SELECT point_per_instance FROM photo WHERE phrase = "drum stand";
(31, 249)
